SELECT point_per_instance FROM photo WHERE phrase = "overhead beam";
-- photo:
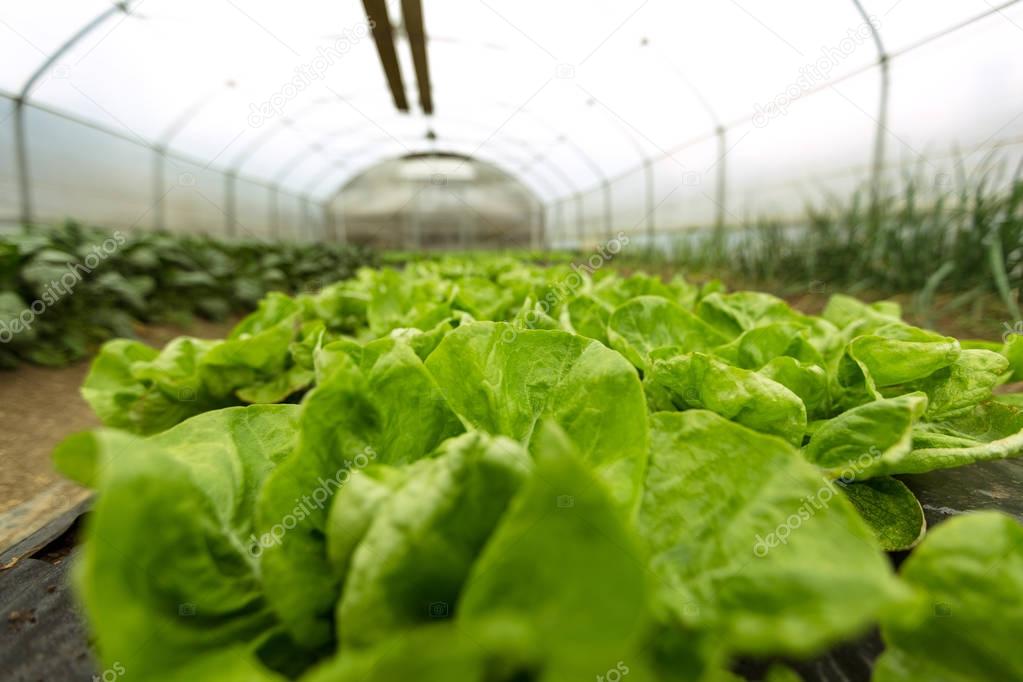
(412, 11)
(383, 36)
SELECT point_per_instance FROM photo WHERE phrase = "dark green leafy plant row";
(500, 472)
(64, 290)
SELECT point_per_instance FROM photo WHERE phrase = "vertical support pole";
(580, 221)
(535, 218)
(877, 170)
(561, 221)
(651, 226)
(722, 179)
(303, 220)
(877, 173)
(159, 181)
(463, 221)
(342, 221)
(543, 210)
(21, 151)
(417, 223)
(329, 233)
(230, 207)
(608, 212)
(275, 214)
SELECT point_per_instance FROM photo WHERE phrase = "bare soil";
(39, 407)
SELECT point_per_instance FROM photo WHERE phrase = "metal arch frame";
(648, 177)
(160, 146)
(239, 161)
(283, 123)
(21, 100)
(278, 125)
(309, 150)
(720, 131)
(20, 134)
(594, 167)
(556, 170)
(316, 104)
(883, 62)
(573, 188)
(499, 162)
(496, 163)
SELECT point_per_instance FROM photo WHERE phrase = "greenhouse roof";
(568, 96)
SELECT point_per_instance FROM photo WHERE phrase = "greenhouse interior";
(494, 341)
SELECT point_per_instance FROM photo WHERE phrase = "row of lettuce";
(66, 289)
(504, 472)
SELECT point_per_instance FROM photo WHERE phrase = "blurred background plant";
(960, 238)
(150, 277)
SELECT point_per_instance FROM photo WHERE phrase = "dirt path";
(39, 406)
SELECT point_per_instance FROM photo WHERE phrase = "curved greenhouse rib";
(311, 149)
(21, 145)
(883, 62)
(720, 131)
(519, 143)
(279, 125)
(163, 140)
(882, 107)
(462, 148)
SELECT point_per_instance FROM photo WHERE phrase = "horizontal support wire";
(24, 101)
(888, 58)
